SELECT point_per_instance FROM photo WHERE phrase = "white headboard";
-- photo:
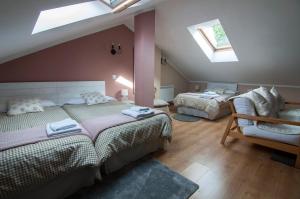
(227, 86)
(58, 92)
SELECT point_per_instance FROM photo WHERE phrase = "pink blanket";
(97, 125)
(34, 135)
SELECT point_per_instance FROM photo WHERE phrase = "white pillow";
(219, 91)
(263, 107)
(94, 98)
(75, 101)
(279, 100)
(21, 106)
(109, 98)
(47, 103)
(263, 91)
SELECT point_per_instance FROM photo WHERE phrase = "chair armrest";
(266, 119)
(293, 103)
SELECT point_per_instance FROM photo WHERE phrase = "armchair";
(242, 124)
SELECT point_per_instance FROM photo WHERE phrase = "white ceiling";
(265, 35)
(17, 20)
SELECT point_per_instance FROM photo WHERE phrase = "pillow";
(262, 106)
(263, 91)
(245, 106)
(21, 106)
(75, 101)
(219, 91)
(231, 92)
(47, 103)
(94, 98)
(109, 98)
(279, 100)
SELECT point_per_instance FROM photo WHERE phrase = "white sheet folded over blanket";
(138, 112)
(139, 108)
(64, 126)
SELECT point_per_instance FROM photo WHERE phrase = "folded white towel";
(63, 125)
(138, 114)
(50, 132)
(139, 108)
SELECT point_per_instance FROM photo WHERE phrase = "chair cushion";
(279, 100)
(244, 106)
(254, 131)
(290, 114)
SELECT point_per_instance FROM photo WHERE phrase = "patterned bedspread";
(194, 100)
(116, 139)
(29, 166)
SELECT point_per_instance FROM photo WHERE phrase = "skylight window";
(213, 40)
(53, 18)
(120, 5)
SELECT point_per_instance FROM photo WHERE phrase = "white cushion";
(279, 100)
(263, 91)
(245, 106)
(262, 107)
(21, 106)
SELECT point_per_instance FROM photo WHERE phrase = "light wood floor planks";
(239, 170)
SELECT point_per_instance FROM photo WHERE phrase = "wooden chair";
(233, 130)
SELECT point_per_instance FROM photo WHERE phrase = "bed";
(52, 168)
(124, 140)
(210, 104)
(26, 169)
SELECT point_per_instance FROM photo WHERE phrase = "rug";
(146, 180)
(185, 118)
(284, 157)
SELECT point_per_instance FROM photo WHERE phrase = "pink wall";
(144, 58)
(83, 59)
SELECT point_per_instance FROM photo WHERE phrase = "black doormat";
(284, 157)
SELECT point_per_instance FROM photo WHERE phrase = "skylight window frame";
(111, 6)
(220, 54)
(211, 44)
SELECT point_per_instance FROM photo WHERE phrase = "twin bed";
(211, 104)
(59, 166)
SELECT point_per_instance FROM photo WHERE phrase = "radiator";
(167, 93)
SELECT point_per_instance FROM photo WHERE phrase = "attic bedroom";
(143, 99)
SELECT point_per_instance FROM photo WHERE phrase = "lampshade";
(124, 92)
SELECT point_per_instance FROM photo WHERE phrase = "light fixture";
(124, 5)
(115, 49)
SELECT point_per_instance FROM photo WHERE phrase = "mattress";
(114, 140)
(28, 167)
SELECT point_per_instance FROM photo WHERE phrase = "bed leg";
(226, 133)
(297, 165)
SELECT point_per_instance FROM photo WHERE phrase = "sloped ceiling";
(265, 35)
(17, 20)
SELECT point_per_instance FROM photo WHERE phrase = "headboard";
(227, 86)
(58, 92)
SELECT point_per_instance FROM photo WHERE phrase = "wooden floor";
(238, 170)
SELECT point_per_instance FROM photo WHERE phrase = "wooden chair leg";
(297, 165)
(226, 133)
